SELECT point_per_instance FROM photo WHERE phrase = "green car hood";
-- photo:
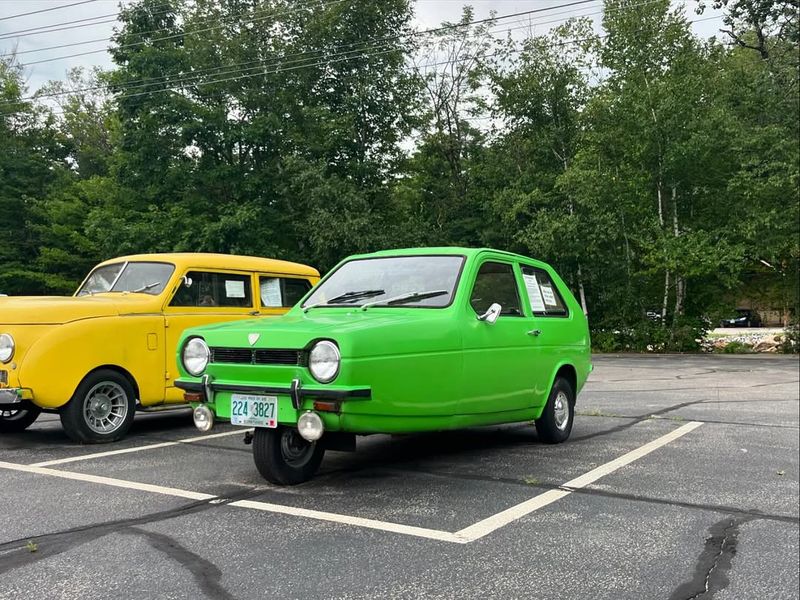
(374, 332)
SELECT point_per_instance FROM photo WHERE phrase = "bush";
(791, 338)
(736, 348)
(686, 335)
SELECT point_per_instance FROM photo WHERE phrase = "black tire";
(283, 457)
(102, 392)
(14, 420)
(551, 427)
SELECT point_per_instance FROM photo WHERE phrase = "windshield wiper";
(345, 298)
(403, 298)
(352, 296)
(146, 287)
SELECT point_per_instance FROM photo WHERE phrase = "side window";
(280, 292)
(545, 299)
(200, 288)
(495, 282)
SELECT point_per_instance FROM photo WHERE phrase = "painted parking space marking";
(463, 536)
(433, 534)
(199, 438)
(501, 519)
(120, 483)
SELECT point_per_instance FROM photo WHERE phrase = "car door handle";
(254, 313)
(535, 332)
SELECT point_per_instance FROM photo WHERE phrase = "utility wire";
(52, 27)
(316, 4)
(98, 40)
(192, 32)
(417, 68)
(297, 7)
(215, 71)
(44, 10)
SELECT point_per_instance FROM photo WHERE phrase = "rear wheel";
(13, 420)
(101, 410)
(283, 457)
(555, 424)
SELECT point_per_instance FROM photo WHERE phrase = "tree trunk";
(582, 292)
(680, 283)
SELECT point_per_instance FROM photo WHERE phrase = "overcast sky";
(429, 13)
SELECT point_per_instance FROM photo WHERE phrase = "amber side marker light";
(193, 396)
(326, 406)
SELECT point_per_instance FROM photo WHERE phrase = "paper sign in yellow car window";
(234, 289)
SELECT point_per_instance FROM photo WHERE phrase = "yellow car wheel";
(102, 408)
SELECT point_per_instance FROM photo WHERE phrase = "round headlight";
(196, 356)
(6, 347)
(323, 362)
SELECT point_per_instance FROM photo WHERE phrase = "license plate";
(254, 411)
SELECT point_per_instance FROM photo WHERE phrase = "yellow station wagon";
(109, 350)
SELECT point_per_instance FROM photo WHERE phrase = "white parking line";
(501, 519)
(463, 536)
(200, 438)
(121, 483)
(433, 534)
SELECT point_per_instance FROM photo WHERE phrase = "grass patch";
(595, 412)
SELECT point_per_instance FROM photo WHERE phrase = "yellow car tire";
(101, 410)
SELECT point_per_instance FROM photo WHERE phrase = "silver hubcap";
(295, 450)
(561, 411)
(11, 414)
(105, 407)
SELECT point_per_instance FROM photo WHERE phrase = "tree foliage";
(659, 172)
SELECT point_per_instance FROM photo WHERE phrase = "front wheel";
(101, 410)
(555, 424)
(283, 457)
(14, 420)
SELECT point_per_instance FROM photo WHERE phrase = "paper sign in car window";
(534, 294)
(549, 296)
(234, 289)
(271, 292)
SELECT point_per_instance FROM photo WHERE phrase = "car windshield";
(143, 277)
(421, 281)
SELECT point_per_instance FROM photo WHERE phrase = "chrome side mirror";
(187, 281)
(491, 314)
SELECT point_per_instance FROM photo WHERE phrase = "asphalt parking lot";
(680, 481)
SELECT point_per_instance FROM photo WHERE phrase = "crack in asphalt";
(17, 554)
(750, 513)
(206, 574)
(714, 563)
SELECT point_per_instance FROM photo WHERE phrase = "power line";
(185, 33)
(454, 25)
(143, 33)
(266, 62)
(10, 34)
(417, 68)
(44, 10)
(336, 58)
(53, 27)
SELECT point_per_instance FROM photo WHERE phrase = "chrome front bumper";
(14, 395)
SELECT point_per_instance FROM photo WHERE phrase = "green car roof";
(454, 250)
